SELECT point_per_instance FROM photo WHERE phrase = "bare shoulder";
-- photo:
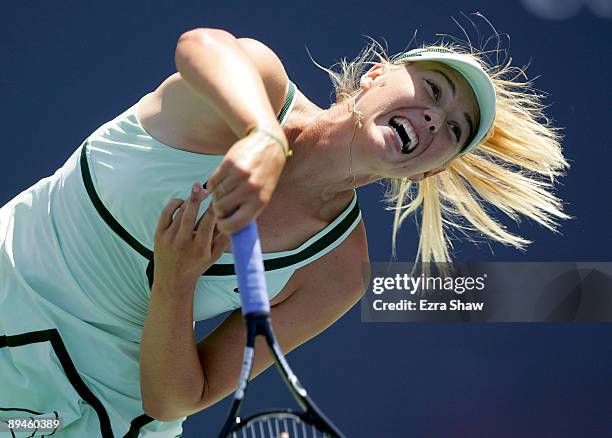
(335, 282)
(176, 115)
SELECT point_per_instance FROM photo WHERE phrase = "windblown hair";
(514, 168)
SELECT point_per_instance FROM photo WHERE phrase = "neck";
(320, 168)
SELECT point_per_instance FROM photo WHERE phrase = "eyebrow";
(451, 84)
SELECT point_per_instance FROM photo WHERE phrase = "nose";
(434, 119)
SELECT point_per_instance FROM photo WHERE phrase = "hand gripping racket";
(272, 423)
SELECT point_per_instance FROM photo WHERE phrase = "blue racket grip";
(250, 270)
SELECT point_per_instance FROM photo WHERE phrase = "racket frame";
(259, 324)
(256, 312)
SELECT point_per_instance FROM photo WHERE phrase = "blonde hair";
(514, 168)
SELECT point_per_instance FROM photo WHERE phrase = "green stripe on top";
(353, 216)
(289, 101)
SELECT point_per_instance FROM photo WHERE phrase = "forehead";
(463, 89)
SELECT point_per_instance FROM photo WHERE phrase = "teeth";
(414, 140)
(398, 138)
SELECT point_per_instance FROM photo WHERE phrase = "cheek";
(440, 151)
(374, 140)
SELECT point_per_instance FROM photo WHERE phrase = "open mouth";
(405, 134)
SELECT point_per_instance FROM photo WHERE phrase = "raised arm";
(244, 82)
(241, 78)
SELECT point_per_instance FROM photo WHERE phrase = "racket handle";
(250, 270)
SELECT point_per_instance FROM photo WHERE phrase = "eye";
(435, 90)
(456, 130)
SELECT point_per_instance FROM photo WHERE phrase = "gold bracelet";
(288, 152)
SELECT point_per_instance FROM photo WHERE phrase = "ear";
(372, 76)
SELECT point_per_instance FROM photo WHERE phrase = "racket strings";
(278, 426)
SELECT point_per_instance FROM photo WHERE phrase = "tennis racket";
(273, 423)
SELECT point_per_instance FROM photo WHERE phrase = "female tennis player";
(106, 264)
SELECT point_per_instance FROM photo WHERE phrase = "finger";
(214, 179)
(198, 194)
(220, 243)
(211, 211)
(237, 220)
(176, 220)
(213, 183)
(224, 188)
(222, 181)
(205, 230)
(216, 231)
(165, 218)
(229, 203)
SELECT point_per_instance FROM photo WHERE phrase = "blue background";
(68, 67)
